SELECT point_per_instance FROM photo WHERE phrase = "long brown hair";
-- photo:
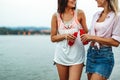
(62, 4)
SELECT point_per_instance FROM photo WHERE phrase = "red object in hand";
(83, 32)
(70, 43)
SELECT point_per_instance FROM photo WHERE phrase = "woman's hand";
(70, 37)
(86, 37)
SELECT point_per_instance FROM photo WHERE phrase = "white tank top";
(65, 54)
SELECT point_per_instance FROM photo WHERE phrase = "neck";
(106, 9)
(69, 10)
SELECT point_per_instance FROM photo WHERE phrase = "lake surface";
(31, 58)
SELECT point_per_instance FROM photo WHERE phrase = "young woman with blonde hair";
(104, 33)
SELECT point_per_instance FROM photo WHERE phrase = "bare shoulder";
(54, 19)
(80, 12)
(54, 16)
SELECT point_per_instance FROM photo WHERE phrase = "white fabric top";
(110, 27)
(65, 54)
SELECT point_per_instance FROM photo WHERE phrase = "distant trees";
(23, 31)
(4, 30)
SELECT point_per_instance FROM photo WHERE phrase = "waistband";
(92, 44)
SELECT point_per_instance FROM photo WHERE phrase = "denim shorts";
(100, 61)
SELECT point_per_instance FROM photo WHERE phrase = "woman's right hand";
(86, 37)
(70, 37)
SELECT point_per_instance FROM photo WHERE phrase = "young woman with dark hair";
(65, 26)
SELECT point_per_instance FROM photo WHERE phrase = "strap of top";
(75, 17)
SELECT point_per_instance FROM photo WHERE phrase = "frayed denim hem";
(106, 77)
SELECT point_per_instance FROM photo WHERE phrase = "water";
(31, 58)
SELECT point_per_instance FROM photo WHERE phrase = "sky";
(37, 12)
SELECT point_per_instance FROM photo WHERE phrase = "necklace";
(67, 24)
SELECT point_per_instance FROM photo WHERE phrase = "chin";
(72, 6)
(99, 6)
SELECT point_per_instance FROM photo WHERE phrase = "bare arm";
(54, 29)
(82, 20)
(104, 41)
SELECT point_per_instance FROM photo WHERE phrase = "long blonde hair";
(113, 5)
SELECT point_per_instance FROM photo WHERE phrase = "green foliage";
(21, 31)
